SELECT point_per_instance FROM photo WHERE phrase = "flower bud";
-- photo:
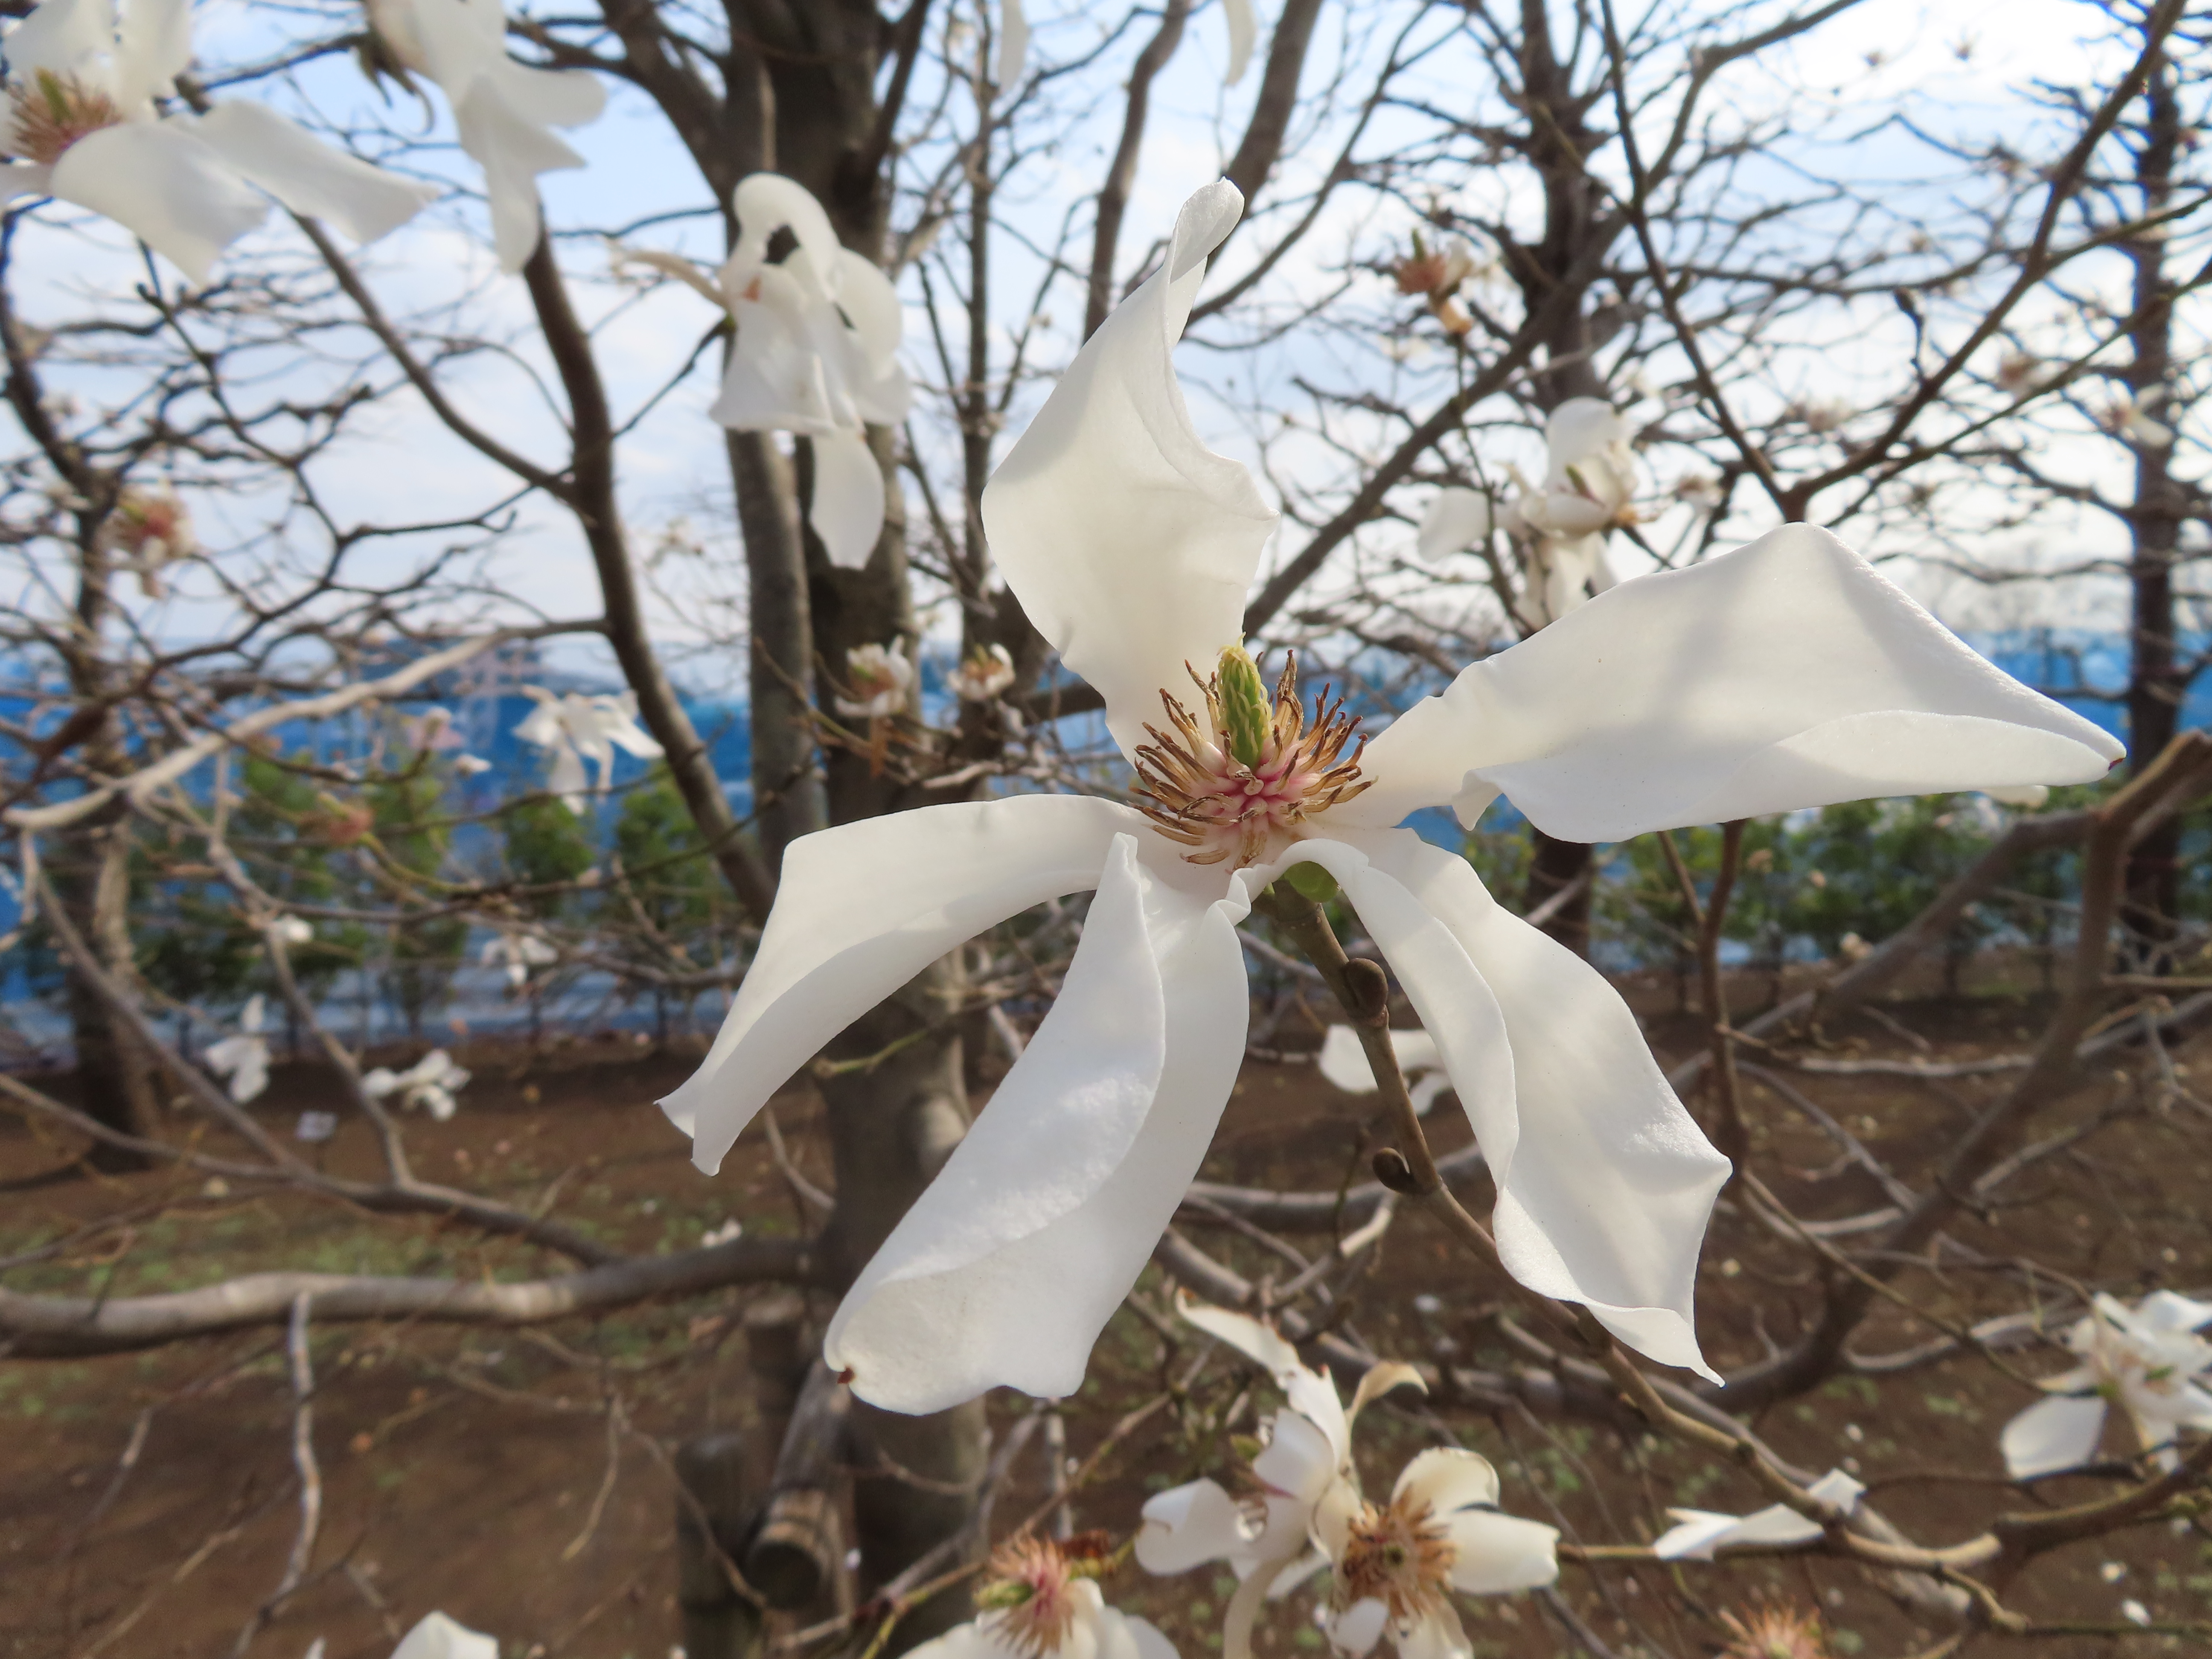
(1247, 712)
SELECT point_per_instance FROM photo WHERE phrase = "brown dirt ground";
(471, 1471)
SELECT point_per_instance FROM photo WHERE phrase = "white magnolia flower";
(816, 353)
(242, 1058)
(1392, 1565)
(1457, 519)
(516, 953)
(1014, 40)
(2148, 1359)
(1785, 674)
(1344, 1063)
(504, 112)
(295, 929)
(316, 1127)
(728, 1233)
(81, 125)
(429, 1084)
(1698, 1533)
(438, 1636)
(1040, 1598)
(984, 673)
(578, 728)
(878, 676)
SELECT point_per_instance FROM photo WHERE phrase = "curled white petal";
(1010, 1264)
(1785, 674)
(1456, 519)
(1700, 1532)
(864, 907)
(1128, 542)
(437, 1637)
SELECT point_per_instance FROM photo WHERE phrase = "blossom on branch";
(816, 353)
(428, 1085)
(578, 728)
(878, 676)
(81, 125)
(242, 1058)
(1560, 524)
(1392, 1565)
(984, 673)
(1786, 674)
(150, 530)
(2148, 1359)
(505, 112)
(1697, 1533)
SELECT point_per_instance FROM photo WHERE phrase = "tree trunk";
(115, 1078)
(786, 789)
(2156, 680)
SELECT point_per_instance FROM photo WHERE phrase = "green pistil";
(1247, 712)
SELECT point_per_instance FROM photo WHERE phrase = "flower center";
(1397, 1554)
(54, 112)
(1253, 773)
(1029, 1589)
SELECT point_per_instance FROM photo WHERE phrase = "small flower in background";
(878, 677)
(1698, 1533)
(1700, 490)
(2148, 1359)
(2132, 416)
(316, 1127)
(516, 953)
(429, 1084)
(1392, 1565)
(2018, 372)
(1040, 1597)
(1819, 414)
(242, 1058)
(1560, 526)
(150, 528)
(816, 352)
(1772, 1626)
(438, 1636)
(1344, 1062)
(728, 1233)
(80, 120)
(579, 728)
(982, 674)
(2135, 1612)
(504, 112)
(1435, 274)
(295, 929)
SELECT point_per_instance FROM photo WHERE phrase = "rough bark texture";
(114, 1078)
(2157, 682)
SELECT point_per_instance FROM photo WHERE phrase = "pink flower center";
(1196, 792)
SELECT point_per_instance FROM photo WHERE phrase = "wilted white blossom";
(984, 673)
(428, 1085)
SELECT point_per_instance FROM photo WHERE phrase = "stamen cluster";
(1398, 1554)
(1254, 772)
(53, 113)
(1030, 1587)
